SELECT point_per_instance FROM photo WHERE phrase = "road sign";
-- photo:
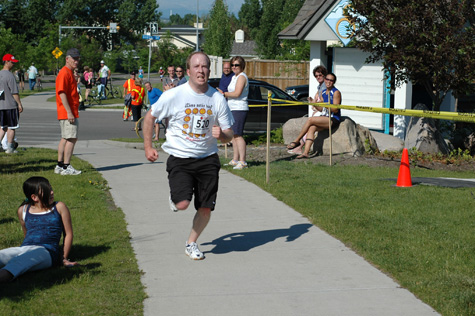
(147, 37)
(150, 37)
(57, 52)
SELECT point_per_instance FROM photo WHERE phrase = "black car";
(257, 116)
(299, 92)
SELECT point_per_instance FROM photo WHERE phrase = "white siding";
(360, 84)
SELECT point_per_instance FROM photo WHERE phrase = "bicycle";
(39, 86)
(139, 125)
(93, 97)
(113, 92)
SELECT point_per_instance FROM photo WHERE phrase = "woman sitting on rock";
(320, 123)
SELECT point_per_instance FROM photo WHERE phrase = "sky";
(183, 7)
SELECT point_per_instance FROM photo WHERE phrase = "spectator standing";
(198, 116)
(138, 93)
(153, 96)
(225, 77)
(238, 91)
(180, 74)
(128, 85)
(32, 73)
(67, 104)
(43, 222)
(10, 103)
(171, 80)
(21, 78)
(104, 76)
(88, 80)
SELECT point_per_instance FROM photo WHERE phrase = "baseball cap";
(10, 57)
(73, 52)
(102, 62)
(133, 73)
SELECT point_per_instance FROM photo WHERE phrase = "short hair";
(320, 69)
(188, 60)
(241, 61)
(147, 82)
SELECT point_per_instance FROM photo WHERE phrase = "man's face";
(180, 73)
(226, 68)
(171, 71)
(148, 86)
(10, 64)
(132, 76)
(319, 76)
(72, 62)
(199, 70)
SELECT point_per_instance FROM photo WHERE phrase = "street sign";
(156, 37)
(150, 37)
(147, 37)
(57, 52)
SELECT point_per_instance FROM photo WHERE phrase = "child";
(43, 222)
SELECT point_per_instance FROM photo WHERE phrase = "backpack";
(128, 99)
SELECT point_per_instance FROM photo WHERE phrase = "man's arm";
(224, 136)
(150, 153)
(64, 99)
(17, 99)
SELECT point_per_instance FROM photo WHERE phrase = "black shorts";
(194, 176)
(239, 121)
(9, 118)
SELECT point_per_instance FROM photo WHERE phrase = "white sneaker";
(241, 165)
(193, 252)
(70, 171)
(58, 169)
(172, 205)
(11, 151)
(232, 163)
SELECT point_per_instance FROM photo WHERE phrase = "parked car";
(257, 116)
(299, 92)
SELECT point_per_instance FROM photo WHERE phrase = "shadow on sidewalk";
(245, 241)
(116, 167)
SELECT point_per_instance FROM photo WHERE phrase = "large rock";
(349, 138)
(423, 135)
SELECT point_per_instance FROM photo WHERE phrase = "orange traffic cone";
(404, 177)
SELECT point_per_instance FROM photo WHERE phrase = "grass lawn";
(423, 236)
(108, 280)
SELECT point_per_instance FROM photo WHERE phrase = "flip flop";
(302, 157)
(293, 145)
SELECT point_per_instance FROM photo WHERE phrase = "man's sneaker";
(172, 205)
(10, 150)
(58, 169)
(70, 171)
(193, 252)
(241, 165)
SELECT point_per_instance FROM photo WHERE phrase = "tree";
(218, 34)
(429, 42)
(250, 17)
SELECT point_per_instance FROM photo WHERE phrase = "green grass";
(421, 236)
(108, 280)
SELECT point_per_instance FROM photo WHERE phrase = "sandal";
(293, 145)
(302, 157)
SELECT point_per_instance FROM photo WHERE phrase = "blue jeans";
(18, 260)
(32, 83)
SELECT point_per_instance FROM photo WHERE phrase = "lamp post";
(197, 37)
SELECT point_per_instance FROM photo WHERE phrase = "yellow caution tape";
(441, 115)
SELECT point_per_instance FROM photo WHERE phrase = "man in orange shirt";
(138, 93)
(67, 105)
(129, 85)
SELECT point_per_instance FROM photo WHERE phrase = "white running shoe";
(193, 252)
(70, 171)
(172, 205)
(58, 169)
(241, 165)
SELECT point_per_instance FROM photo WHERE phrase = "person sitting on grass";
(330, 95)
(43, 221)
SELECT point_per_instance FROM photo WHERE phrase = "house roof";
(245, 49)
(309, 15)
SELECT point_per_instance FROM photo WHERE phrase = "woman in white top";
(237, 93)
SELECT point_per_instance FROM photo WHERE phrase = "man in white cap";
(10, 104)
(104, 76)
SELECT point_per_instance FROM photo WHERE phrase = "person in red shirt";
(67, 105)
(129, 85)
(138, 93)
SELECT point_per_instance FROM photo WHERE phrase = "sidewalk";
(262, 257)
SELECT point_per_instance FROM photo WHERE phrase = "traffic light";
(113, 27)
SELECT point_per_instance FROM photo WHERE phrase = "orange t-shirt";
(128, 87)
(66, 83)
(137, 95)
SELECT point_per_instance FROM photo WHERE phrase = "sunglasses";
(318, 76)
(331, 80)
(179, 71)
(235, 65)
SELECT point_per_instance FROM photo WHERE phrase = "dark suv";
(257, 117)
(299, 92)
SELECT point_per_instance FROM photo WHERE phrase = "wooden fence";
(279, 73)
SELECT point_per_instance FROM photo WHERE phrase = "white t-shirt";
(191, 117)
(104, 71)
(239, 103)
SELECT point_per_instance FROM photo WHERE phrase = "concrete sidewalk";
(262, 257)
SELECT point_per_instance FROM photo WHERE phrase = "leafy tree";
(429, 42)
(250, 17)
(293, 49)
(218, 34)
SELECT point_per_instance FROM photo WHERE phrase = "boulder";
(422, 134)
(348, 138)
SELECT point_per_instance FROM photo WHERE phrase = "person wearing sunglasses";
(180, 74)
(331, 95)
(236, 95)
